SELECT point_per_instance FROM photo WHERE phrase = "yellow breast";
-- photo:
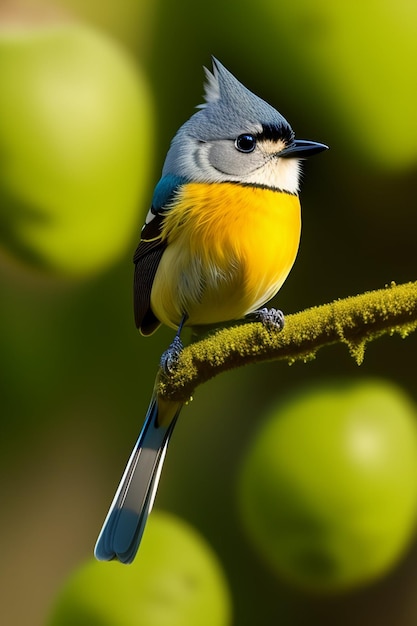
(230, 248)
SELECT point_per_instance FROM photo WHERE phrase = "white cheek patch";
(277, 173)
(193, 161)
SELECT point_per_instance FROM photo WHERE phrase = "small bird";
(218, 242)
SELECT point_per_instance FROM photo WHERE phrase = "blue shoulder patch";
(165, 190)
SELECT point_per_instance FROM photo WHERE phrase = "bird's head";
(236, 136)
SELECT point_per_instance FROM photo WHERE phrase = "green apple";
(175, 580)
(76, 135)
(328, 491)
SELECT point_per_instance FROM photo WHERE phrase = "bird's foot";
(170, 357)
(272, 319)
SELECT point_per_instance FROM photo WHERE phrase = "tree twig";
(353, 321)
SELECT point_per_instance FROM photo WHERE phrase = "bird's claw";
(170, 357)
(272, 319)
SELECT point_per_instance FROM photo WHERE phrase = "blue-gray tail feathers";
(125, 522)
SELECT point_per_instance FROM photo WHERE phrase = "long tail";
(125, 522)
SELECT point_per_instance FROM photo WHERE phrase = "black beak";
(300, 148)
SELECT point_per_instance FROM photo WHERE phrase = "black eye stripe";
(276, 132)
(245, 143)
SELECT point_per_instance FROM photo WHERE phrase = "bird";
(218, 242)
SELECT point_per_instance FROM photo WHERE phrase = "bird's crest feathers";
(231, 107)
(221, 85)
(211, 87)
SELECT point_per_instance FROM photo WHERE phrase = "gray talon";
(170, 357)
(272, 319)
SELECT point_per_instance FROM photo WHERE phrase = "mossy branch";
(353, 321)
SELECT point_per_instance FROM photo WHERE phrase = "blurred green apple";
(328, 492)
(75, 147)
(175, 580)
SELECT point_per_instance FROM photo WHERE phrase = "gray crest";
(230, 109)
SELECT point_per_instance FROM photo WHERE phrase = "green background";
(76, 376)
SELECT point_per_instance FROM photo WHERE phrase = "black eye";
(245, 143)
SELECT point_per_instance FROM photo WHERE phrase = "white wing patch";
(149, 217)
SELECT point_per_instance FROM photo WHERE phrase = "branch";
(353, 321)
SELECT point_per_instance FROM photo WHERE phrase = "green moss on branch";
(353, 321)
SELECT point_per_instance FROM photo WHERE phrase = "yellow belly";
(230, 248)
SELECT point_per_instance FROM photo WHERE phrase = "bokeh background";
(76, 376)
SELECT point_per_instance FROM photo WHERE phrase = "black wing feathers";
(146, 258)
